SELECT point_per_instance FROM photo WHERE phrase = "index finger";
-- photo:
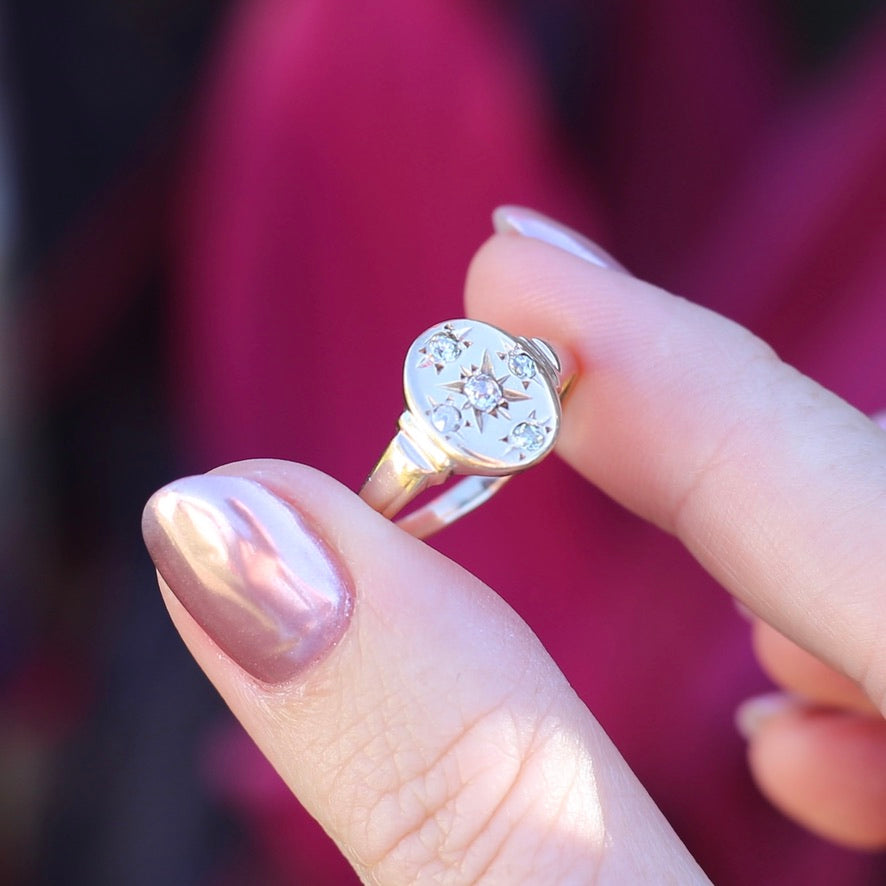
(776, 485)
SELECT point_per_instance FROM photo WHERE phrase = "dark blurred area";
(104, 720)
(101, 710)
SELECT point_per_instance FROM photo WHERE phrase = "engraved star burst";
(521, 364)
(443, 347)
(533, 438)
(483, 392)
(444, 416)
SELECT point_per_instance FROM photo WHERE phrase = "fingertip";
(826, 770)
(798, 671)
(694, 423)
(533, 225)
(753, 714)
(250, 567)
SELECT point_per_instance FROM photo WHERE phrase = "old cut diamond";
(522, 365)
(443, 348)
(528, 436)
(483, 392)
(446, 418)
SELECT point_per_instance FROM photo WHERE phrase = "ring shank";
(397, 478)
(450, 505)
(402, 473)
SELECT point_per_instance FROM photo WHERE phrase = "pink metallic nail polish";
(251, 572)
(535, 226)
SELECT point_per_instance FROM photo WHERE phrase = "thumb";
(405, 704)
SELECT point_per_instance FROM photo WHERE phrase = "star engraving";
(521, 365)
(443, 347)
(484, 393)
(444, 416)
(528, 437)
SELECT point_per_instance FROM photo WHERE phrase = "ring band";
(480, 403)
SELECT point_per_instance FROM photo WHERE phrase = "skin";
(490, 768)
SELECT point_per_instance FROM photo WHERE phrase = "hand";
(423, 724)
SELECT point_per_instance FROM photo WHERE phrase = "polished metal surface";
(480, 402)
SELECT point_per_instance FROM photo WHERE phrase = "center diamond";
(483, 392)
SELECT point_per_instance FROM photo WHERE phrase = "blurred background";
(210, 211)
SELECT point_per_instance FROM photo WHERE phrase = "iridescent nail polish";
(251, 571)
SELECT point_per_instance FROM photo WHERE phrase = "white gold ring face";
(488, 399)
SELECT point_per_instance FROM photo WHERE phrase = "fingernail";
(750, 715)
(251, 571)
(532, 224)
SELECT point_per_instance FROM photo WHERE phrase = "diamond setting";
(528, 436)
(486, 400)
(446, 418)
(483, 392)
(443, 348)
(522, 366)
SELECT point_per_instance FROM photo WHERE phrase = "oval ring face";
(487, 398)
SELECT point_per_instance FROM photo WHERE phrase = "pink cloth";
(341, 176)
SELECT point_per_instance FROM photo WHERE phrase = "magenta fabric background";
(340, 176)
